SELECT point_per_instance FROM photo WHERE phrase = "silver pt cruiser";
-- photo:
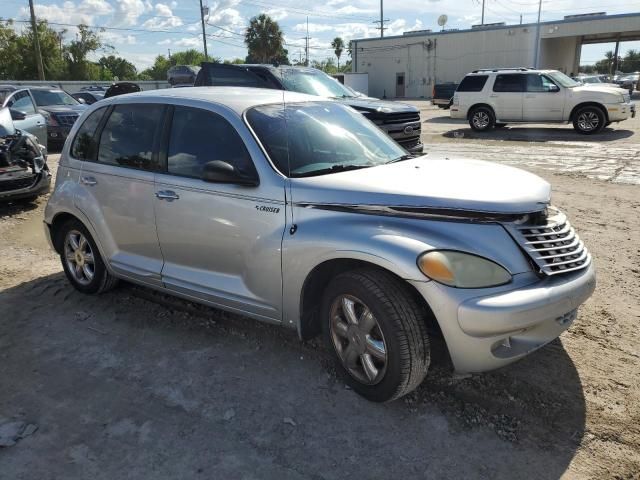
(302, 213)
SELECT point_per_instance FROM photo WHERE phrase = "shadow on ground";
(135, 384)
(533, 134)
(15, 207)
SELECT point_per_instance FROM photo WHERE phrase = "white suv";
(491, 98)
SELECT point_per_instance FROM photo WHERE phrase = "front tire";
(589, 120)
(482, 119)
(81, 259)
(378, 333)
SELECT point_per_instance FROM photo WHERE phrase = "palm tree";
(264, 39)
(338, 47)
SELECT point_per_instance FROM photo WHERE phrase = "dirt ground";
(132, 384)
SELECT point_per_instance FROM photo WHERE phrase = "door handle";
(168, 195)
(493, 95)
(91, 181)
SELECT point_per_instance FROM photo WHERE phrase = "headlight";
(462, 270)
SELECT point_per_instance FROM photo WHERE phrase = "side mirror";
(17, 114)
(218, 171)
(81, 100)
(554, 88)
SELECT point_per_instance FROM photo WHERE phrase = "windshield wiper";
(407, 156)
(333, 169)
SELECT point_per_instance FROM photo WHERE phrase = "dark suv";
(400, 121)
(61, 111)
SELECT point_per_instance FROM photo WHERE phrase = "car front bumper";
(621, 111)
(484, 332)
(40, 186)
(57, 135)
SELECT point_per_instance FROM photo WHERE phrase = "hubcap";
(79, 257)
(480, 119)
(588, 121)
(358, 340)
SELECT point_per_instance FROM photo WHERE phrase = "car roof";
(237, 99)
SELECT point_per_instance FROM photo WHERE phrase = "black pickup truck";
(442, 94)
(400, 121)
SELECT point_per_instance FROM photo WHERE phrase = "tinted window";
(52, 97)
(315, 138)
(21, 101)
(472, 83)
(538, 83)
(199, 137)
(128, 136)
(84, 145)
(232, 76)
(513, 82)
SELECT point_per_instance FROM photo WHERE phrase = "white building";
(409, 65)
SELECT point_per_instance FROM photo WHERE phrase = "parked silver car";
(300, 212)
(24, 111)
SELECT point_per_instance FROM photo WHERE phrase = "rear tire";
(378, 333)
(482, 119)
(81, 259)
(589, 120)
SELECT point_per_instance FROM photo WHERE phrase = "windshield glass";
(52, 97)
(591, 80)
(563, 80)
(313, 82)
(316, 138)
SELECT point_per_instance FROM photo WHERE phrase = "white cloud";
(190, 42)
(164, 18)
(313, 27)
(113, 38)
(277, 14)
(71, 12)
(128, 11)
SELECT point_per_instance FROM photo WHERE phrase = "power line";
(302, 11)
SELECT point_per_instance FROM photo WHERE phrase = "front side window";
(44, 98)
(512, 82)
(472, 83)
(540, 83)
(85, 145)
(317, 138)
(22, 102)
(199, 137)
(127, 139)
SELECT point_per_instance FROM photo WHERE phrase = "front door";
(400, 84)
(543, 100)
(221, 241)
(507, 96)
(34, 122)
(117, 188)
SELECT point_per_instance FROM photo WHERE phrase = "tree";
(338, 47)
(86, 42)
(631, 61)
(264, 40)
(162, 64)
(118, 67)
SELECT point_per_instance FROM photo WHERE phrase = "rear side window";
(21, 101)
(472, 83)
(199, 137)
(84, 146)
(512, 82)
(233, 77)
(127, 139)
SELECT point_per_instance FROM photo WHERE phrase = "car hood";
(372, 105)
(428, 183)
(598, 88)
(64, 108)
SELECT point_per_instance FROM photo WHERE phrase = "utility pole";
(482, 21)
(169, 50)
(204, 35)
(382, 20)
(36, 42)
(306, 48)
(615, 55)
(537, 45)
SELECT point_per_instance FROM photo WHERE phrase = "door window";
(199, 137)
(539, 83)
(22, 102)
(127, 139)
(84, 144)
(512, 82)
(472, 83)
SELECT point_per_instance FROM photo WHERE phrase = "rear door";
(117, 189)
(543, 100)
(507, 96)
(34, 123)
(221, 242)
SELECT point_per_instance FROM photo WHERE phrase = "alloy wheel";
(588, 121)
(79, 257)
(481, 120)
(358, 340)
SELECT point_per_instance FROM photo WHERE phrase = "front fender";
(386, 242)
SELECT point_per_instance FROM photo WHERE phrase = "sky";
(139, 30)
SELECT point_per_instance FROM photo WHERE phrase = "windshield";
(316, 138)
(563, 80)
(313, 82)
(52, 97)
(590, 80)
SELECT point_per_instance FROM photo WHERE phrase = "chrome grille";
(553, 244)
(66, 119)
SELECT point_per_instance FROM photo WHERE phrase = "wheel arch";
(590, 104)
(316, 280)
